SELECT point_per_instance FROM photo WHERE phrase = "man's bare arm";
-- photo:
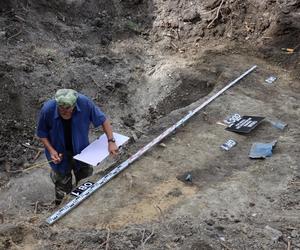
(107, 129)
(112, 146)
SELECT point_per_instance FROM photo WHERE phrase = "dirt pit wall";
(144, 63)
(108, 51)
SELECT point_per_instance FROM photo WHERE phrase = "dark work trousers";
(63, 183)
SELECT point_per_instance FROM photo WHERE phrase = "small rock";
(2, 34)
(128, 121)
(213, 214)
(222, 238)
(78, 52)
(176, 239)
(210, 222)
(188, 178)
(28, 68)
(191, 15)
(274, 234)
(98, 22)
(119, 84)
(134, 136)
(294, 234)
(20, 162)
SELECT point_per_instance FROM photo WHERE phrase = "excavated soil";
(147, 64)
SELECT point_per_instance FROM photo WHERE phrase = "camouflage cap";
(66, 97)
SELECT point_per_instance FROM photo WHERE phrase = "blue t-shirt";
(50, 126)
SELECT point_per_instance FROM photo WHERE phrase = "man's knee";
(83, 172)
(63, 183)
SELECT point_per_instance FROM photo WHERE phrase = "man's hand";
(112, 148)
(55, 157)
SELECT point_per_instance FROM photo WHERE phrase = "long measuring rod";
(75, 202)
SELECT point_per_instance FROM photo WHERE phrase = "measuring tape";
(75, 202)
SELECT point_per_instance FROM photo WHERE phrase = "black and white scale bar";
(75, 202)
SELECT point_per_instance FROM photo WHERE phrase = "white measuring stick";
(75, 202)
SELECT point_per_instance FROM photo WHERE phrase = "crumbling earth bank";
(140, 60)
(106, 51)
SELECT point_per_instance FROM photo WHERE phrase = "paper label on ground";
(271, 79)
(232, 118)
(246, 124)
(97, 151)
(79, 190)
(228, 144)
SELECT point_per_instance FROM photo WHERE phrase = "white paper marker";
(97, 151)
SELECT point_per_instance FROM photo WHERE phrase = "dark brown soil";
(146, 64)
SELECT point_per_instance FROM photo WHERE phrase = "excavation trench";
(147, 64)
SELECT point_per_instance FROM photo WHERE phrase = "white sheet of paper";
(97, 151)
